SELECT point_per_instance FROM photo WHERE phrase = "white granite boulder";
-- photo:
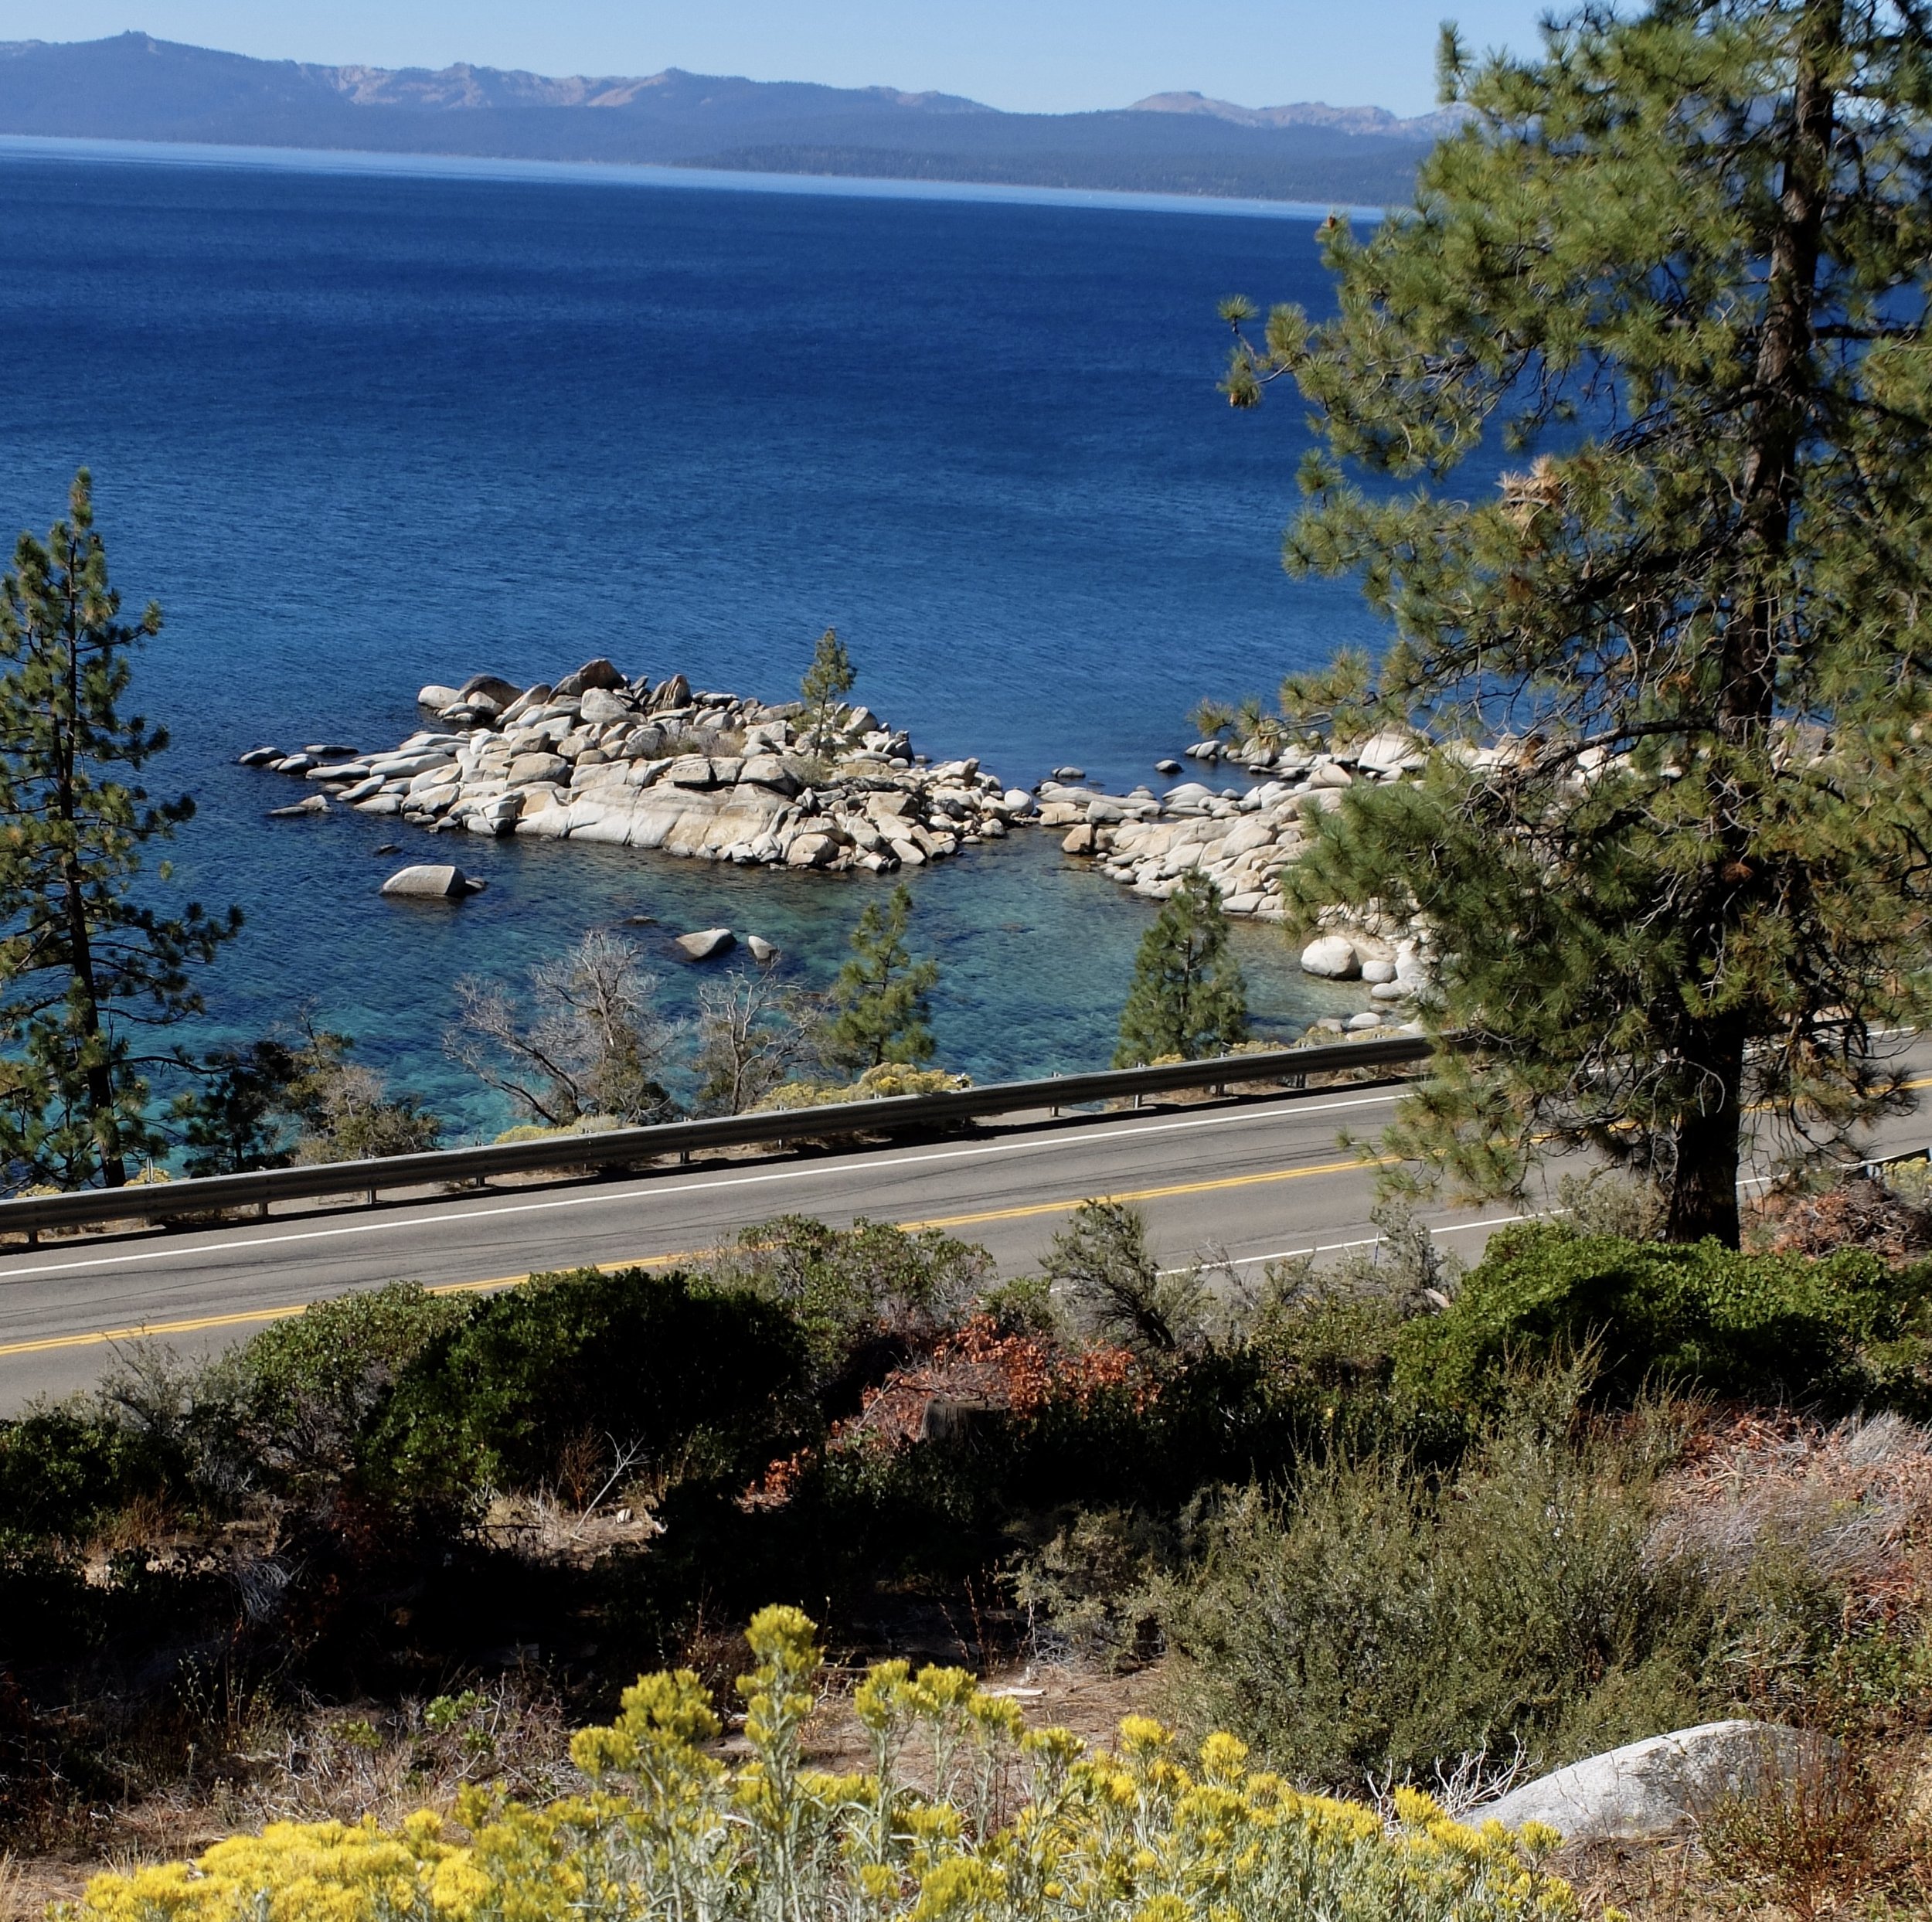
(441, 881)
(492, 686)
(706, 942)
(1649, 1790)
(598, 706)
(1332, 956)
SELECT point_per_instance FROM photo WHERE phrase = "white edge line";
(1370, 1241)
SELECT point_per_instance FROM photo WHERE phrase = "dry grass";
(323, 1763)
(1854, 1498)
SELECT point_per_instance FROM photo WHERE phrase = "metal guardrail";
(625, 1147)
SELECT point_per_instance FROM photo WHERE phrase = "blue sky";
(1043, 56)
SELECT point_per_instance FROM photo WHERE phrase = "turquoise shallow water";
(358, 432)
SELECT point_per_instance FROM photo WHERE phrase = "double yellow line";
(95, 1337)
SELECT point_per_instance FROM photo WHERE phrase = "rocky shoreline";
(712, 777)
(598, 757)
(1242, 839)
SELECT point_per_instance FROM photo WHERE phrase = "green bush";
(848, 1286)
(1378, 1617)
(303, 1389)
(679, 1375)
(1763, 1328)
(63, 1470)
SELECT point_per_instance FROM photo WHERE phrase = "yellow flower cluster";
(965, 1815)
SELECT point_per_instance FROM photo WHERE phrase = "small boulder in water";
(707, 942)
(1331, 956)
(430, 881)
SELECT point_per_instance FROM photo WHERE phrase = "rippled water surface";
(356, 433)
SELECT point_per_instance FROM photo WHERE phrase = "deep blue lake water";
(356, 433)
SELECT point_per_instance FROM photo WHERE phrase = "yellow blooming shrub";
(964, 1815)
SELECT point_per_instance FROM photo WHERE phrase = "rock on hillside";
(1647, 1791)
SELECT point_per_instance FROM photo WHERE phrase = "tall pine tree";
(1188, 998)
(83, 965)
(1676, 849)
(881, 1001)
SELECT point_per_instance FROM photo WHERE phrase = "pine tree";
(827, 681)
(83, 965)
(1674, 849)
(881, 999)
(293, 1098)
(1188, 998)
(235, 1117)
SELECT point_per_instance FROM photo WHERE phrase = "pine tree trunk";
(100, 1087)
(1702, 1190)
(1701, 1194)
(80, 958)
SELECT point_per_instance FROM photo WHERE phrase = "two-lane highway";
(1253, 1179)
(1245, 1182)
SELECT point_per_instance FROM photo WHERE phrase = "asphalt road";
(1244, 1182)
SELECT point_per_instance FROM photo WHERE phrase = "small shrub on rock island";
(1018, 1823)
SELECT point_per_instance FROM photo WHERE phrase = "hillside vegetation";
(404, 1542)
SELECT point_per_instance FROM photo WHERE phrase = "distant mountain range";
(136, 88)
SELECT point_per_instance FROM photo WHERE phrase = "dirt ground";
(348, 1783)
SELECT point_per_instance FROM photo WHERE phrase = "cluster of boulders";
(1242, 838)
(597, 757)
(600, 758)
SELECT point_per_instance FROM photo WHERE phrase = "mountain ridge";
(1344, 120)
(135, 86)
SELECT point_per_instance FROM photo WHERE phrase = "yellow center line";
(97, 1337)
